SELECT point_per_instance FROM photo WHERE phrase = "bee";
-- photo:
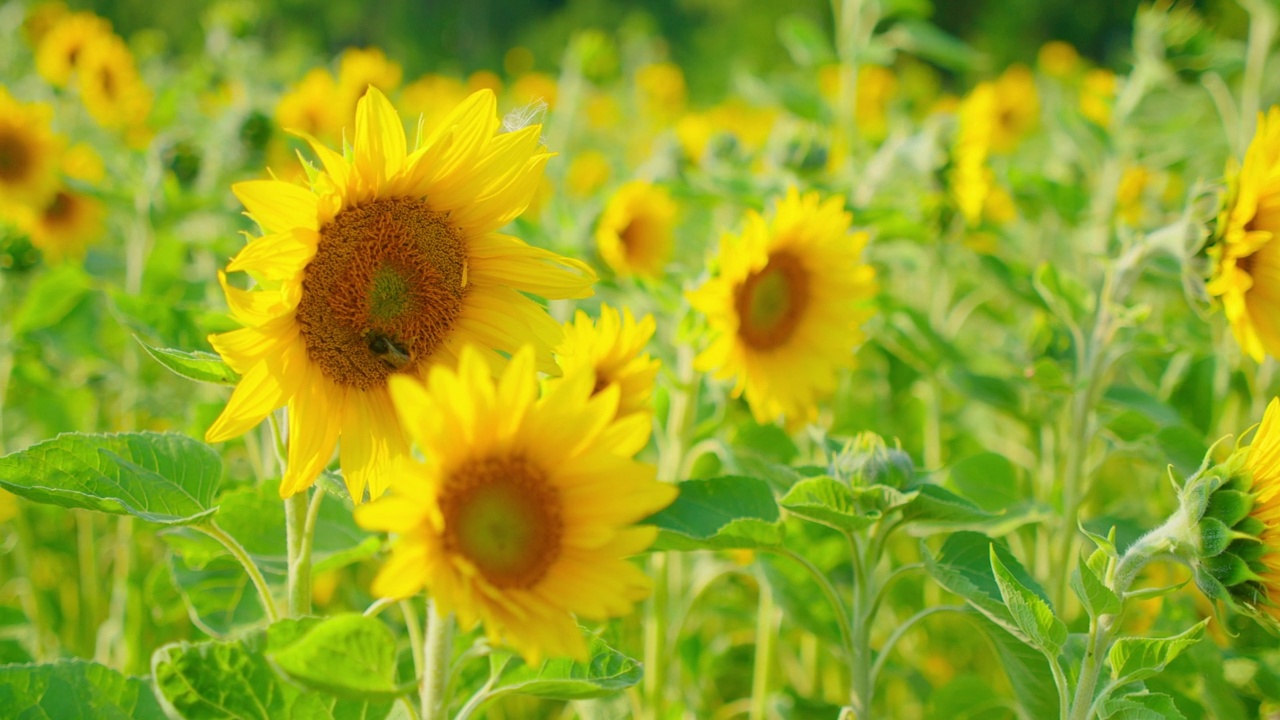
(395, 355)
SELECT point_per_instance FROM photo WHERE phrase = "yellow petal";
(371, 442)
(379, 141)
(278, 206)
(315, 412)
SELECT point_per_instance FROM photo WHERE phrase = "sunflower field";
(667, 360)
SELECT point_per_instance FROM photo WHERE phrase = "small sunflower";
(63, 227)
(523, 513)
(29, 152)
(786, 306)
(62, 47)
(610, 351)
(588, 172)
(387, 264)
(1017, 108)
(634, 232)
(359, 68)
(971, 180)
(432, 97)
(112, 91)
(309, 107)
(1246, 252)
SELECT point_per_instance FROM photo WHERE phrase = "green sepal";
(1229, 506)
(1214, 537)
(1229, 569)
(1248, 549)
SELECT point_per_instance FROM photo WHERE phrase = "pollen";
(384, 290)
(502, 514)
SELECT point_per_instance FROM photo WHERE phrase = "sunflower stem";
(437, 652)
(766, 628)
(295, 520)
(240, 554)
(1262, 32)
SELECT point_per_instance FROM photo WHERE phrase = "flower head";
(634, 233)
(62, 47)
(611, 351)
(64, 226)
(110, 86)
(1246, 251)
(309, 108)
(29, 152)
(786, 305)
(522, 514)
(388, 264)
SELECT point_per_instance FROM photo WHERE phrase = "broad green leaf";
(963, 566)
(989, 479)
(1184, 448)
(219, 596)
(74, 689)
(1026, 667)
(50, 298)
(1030, 612)
(829, 502)
(999, 393)
(1098, 599)
(196, 365)
(1134, 659)
(167, 478)
(254, 516)
(1141, 706)
(350, 656)
(234, 681)
(719, 514)
(933, 508)
(606, 672)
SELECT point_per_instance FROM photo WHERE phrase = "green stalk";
(861, 657)
(416, 643)
(1262, 32)
(295, 519)
(240, 554)
(90, 597)
(437, 653)
(766, 628)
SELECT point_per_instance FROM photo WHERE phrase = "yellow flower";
(8, 505)
(1263, 466)
(110, 87)
(82, 162)
(1246, 251)
(358, 68)
(1097, 93)
(61, 49)
(484, 80)
(786, 305)
(1017, 108)
(603, 112)
(750, 126)
(522, 514)
(588, 172)
(1058, 59)
(875, 87)
(971, 179)
(310, 108)
(660, 89)
(1129, 193)
(63, 227)
(533, 88)
(634, 233)
(432, 97)
(609, 351)
(389, 263)
(29, 152)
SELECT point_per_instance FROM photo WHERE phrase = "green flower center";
(502, 515)
(771, 303)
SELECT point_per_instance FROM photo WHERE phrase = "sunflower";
(1017, 108)
(634, 232)
(62, 47)
(29, 152)
(110, 87)
(1097, 95)
(1264, 469)
(359, 68)
(660, 91)
(432, 97)
(610, 352)
(523, 513)
(63, 227)
(1246, 252)
(387, 264)
(971, 179)
(309, 108)
(786, 305)
(587, 173)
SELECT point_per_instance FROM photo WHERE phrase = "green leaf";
(989, 479)
(1000, 393)
(74, 689)
(50, 298)
(234, 681)
(829, 502)
(805, 41)
(1141, 706)
(719, 514)
(924, 39)
(218, 594)
(963, 566)
(166, 478)
(1184, 448)
(1030, 612)
(350, 656)
(933, 508)
(1098, 599)
(196, 365)
(1027, 668)
(606, 672)
(1134, 659)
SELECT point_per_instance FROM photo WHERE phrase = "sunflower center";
(384, 289)
(1246, 263)
(14, 157)
(771, 302)
(502, 515)
(60, 210)
(632, 237)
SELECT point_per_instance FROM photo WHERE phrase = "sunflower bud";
(866, 460)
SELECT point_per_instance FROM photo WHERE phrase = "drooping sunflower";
(786, 305)
(64, 226)
(523, 513)
(62, 48)
(29, 152)
(634, 232)
(389, 263)
(611, 351)
(1246, 251)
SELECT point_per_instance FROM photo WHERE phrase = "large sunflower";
(29, 152)
(387, 264)
(611, 351)
(522, 514)
(1246, 253)
(786, 305)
